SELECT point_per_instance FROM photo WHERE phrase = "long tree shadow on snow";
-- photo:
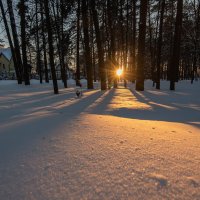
(165, 106)
(25, 131)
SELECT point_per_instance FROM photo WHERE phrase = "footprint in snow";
(193, 182)
(161, 181)
(137, 149)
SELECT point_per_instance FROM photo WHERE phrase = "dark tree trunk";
(15, 37)
(39, 65)
(153, 42)
(102, 72)
(141, 46)
(93, 48)
(64, 74)
(17, 71)
(22, 12)
(78, 74)
(112, 10)
(174, 64)
(159, 48)
(172, 8)
(196, 43)
(51, 49)
(44, 43)
(87, 45)
(56, 25)
(126, 64)
(134, 42)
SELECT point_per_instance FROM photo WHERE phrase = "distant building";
(6, 61)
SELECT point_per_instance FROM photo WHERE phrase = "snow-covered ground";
(118, 144)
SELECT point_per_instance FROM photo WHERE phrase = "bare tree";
(15, 37)
(51, 48)
(17, 70)
(88, 58)
(102, 72)
(174, 63)
(141, 46)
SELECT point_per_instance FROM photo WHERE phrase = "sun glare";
(119, 72)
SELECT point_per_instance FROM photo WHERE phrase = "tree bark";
(78, 74)
(102, 71)
(64, 74)
(22, 11)
(174, 64)
(39, 65)
(159, 48)
(134, 42)
(87, 45)
(51, 48)
(141, 46)
(17, 71)
(44, 43)
(15, 37)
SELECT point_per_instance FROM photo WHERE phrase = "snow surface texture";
(119, 144)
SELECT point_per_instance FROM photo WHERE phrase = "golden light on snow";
(119, 72)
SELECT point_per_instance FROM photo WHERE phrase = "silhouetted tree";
(51, 48)
(174, 63)
(88, 58)
(141, 46)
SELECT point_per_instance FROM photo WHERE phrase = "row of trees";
(147, 38)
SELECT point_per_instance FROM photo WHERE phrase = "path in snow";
(107, 145)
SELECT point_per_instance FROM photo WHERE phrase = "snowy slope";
(119, 144)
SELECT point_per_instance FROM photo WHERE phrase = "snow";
(118, 144)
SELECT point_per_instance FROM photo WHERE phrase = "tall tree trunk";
(39, 65)
(44, 43)
(87, 45)
(64, 74)
(134, 41)
(159, 48)
(93, 47)
(102, 72)
(51, 48)
(174, 64)
(17, 71)
(57, 39)
(141, 46)
(78, 73)
(196, 39)
(126, 64)
(154, 42)
(111, 9)
(15, 37)
(60, 36)
(22, 12)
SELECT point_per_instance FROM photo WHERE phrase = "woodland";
(157, 40)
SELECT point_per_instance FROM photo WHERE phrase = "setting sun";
(119, 72)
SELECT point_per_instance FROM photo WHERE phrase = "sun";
(119, 72)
